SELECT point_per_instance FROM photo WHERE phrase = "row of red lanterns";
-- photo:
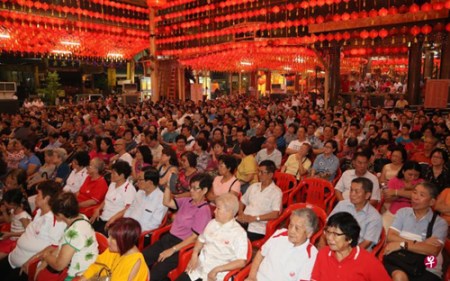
(121, 6)
(377, 50)
(19, 19)
(295, 23)
(80, 12)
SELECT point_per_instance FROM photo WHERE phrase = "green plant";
(52, 88)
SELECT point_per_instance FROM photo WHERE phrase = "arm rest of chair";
(142, 238)
(159, 232)
(184, 256)
(32, 267)
(239, 274)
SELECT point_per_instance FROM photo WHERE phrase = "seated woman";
(343, 259)
(298, 163)
(391, 170)
(218, 149)
(248, 168)
(43, 172)
(400, 188)
(222, 247)
(326, 164)
(142, 159)
(78, 247)
(168, 169)
(80, 161)
(201, 149)
(193, 214)
(226, 181)
(122, 257)
(188, 170)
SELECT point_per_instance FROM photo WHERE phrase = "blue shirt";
(327, 165)
(33, 159)
(368, 219)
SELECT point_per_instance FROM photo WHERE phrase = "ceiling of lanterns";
(73, 28)
(233, 35)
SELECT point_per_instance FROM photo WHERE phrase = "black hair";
(204, 180)
(409, 165)
(415, 135)
(401, 150)
(367, 184)
(82, 157)
(191, 158)
(173, 160)
(443, 153)
(146, 153)
(17, 197)
(181, 137)
(151, 174)
(66, 204)
(347, 224)
(203, 143)
(49, 188)
(122, 168)
(229, 161)
(247, 147)
(269, 164)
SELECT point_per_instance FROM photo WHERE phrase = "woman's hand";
(95, 215)
(192, 263)
(389, 193)
(165, 254)
(212, 275)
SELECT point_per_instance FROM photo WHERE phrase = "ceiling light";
(116, 55)
(62, 52)
(69, 43)
(5, 35)
(246, 63)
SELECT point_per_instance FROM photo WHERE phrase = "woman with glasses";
(193, 214)
(438, 173)
(343, 259)
(326, 164)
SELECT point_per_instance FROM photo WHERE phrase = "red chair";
(89, 211)
(243, 273)
(102, 242)
(232, 273)
(315, 191)
(337, 177)
(148, 232)
(184, 256)
(286, 182)
(283, 221)
(378, 249)
(159, 232)
(5, 227)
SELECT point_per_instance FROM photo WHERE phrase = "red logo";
(430, 261)
(227, 242)
(292, 274)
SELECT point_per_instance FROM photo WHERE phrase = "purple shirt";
(190, 218)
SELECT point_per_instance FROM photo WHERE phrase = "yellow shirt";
(247, 166)
(120, 266)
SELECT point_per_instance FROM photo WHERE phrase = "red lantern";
(304, 5)
(364, 34)
(426, 29)
(346, 35)
(393, 10)
(415, 30)
(414, 8)
(290, 7)
(354, 15)
(383, 12)
(320, 3)
(154, 3)
(447, 27)
(261, 81)
(437, 6)
(373, 34)
(276, 9)
(373, 13)
(447, 4)
(345, 16)
(336, 17)
(320, 19)
(383, 33)
(426, 7)
(363, 14)
(330, 37)
(338, 36)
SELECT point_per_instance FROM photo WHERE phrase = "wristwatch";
(258, 218)
(403, 245)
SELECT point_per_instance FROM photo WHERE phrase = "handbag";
(412, 264)
(104, 269)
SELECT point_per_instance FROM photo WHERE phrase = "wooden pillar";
(181, 83)
(131, 68)
(230, 80)
(155, 71)
(335, 69)
(445, 58)
(268, 82)
(36, 77)
(414, 69)
(428, 65)
(254, 83)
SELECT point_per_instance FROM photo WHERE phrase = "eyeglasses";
(332, 233)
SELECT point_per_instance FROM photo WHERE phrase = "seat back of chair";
(377, 249)
(315, 191)
(102, 242)
(284, 181)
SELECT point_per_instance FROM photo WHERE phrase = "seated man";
(147, 207)
(288, 254)
(270, 152)
(360, 162)
(94, 188)
(79, 172)
(409, 232)
(221, 247)
(262, 202)
(44, 230)
(365, 214)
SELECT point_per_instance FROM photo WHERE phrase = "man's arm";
(430, 246)
(255, 266)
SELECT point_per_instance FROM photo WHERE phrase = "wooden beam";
(378, 21)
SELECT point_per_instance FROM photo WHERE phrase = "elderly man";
(410, 232)
(262, 202)
(294, 146)
(120, 147)
(270, 152)
(365, 214)
(221, 247)
(94, 188)
(288, 254)
(361, 163)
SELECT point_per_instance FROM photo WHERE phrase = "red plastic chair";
(159, 232)
(243, 273)
(102, 242)
(89, 211)
(145, 233)
(378, 249)
(5, 227)
(286, 182)
(337, 177)
(315, 191)
(283, 221)
(232, 273)
(184, 256)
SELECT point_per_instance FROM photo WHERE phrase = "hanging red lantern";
(276, 9)
(437, 6)
(383, 12)
(415, 30)
(346, 35)
(447, 4)
(290, 7)
(438, 27)
(363, 14)
(320, 19)
(304, 5)
(383, 33)
(354, 15)
(330, 37)
(345, 16)
(320, 3)
(338, 36)
(364, 34)
(426, 29)
(336, 17)
(373, 34)
(447, 27)
(426, 7)
(393, 10)
(373, 13)
(414, 8)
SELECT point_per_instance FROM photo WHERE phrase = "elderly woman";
(78, 247)
(326, 164)
(438, 173)
(118, 199)
(343, 259)
(142, 159)
(288, 254)
(222, 246)
(92, 192)
(225, 182)
(193, 214)
(79, 172)
(298, 163)
(62, 170)
(122, 256)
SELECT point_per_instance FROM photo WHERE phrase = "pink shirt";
(401, 202)
(220, 188)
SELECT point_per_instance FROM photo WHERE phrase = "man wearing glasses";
(261, 202)
(122, 154)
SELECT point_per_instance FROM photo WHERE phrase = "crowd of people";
(208, 167)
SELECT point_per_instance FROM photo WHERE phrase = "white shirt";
(148, 210)
(345, 182)
(260, 202)
(275, 156)
(283, 261)
(75, 180)
(41, 232)
(222, 243)
(156, 151)
(117, 198)
(127, 158)
(296, 144)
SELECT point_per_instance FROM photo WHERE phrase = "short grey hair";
(62, 153)
(230, 202)
(311, 219)
(99, 164)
